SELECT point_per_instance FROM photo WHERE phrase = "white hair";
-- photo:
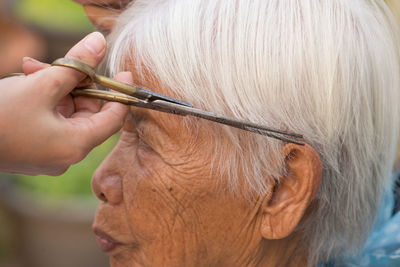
(326, 69)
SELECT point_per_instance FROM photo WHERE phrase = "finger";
(31, 65)
(110, 118)
(108, 121)
(62, 80)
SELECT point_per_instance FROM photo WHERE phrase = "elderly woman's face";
(159, 203)
(159, 200)
(162, 203)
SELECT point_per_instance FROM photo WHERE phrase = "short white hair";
(326, 69)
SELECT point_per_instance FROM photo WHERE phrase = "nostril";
(107, 187)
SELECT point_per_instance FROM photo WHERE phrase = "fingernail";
(25, 59)
(95, 42)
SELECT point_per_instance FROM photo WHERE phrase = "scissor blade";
(169, 107)
(121, 98)
(240, 124)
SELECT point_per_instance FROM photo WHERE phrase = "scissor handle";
(78, 66)
(93, 77)
(160, 102)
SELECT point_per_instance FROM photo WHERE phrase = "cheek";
(146, 195)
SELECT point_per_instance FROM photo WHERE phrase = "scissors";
(140, 97)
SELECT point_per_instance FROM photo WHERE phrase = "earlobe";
(282, 211)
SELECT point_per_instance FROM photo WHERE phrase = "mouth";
(106, 242)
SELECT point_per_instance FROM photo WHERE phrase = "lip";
(106, 242)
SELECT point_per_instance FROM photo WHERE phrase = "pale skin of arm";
(43, 129)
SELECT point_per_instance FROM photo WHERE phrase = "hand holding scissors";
(43, 128)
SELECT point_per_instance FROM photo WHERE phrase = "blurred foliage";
(63, 15)
(76, 181)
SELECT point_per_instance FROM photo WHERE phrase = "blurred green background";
(63, 15)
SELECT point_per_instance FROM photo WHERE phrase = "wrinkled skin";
(163, 201)
(162, 206)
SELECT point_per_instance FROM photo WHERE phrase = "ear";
(102, 17)
(282, 211)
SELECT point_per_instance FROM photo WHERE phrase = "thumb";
(90, 50)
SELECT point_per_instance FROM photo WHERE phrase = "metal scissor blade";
(135, 96)
(237, 123)
(122, 98)
(168, 107)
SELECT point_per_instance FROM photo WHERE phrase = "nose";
(107, 184)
